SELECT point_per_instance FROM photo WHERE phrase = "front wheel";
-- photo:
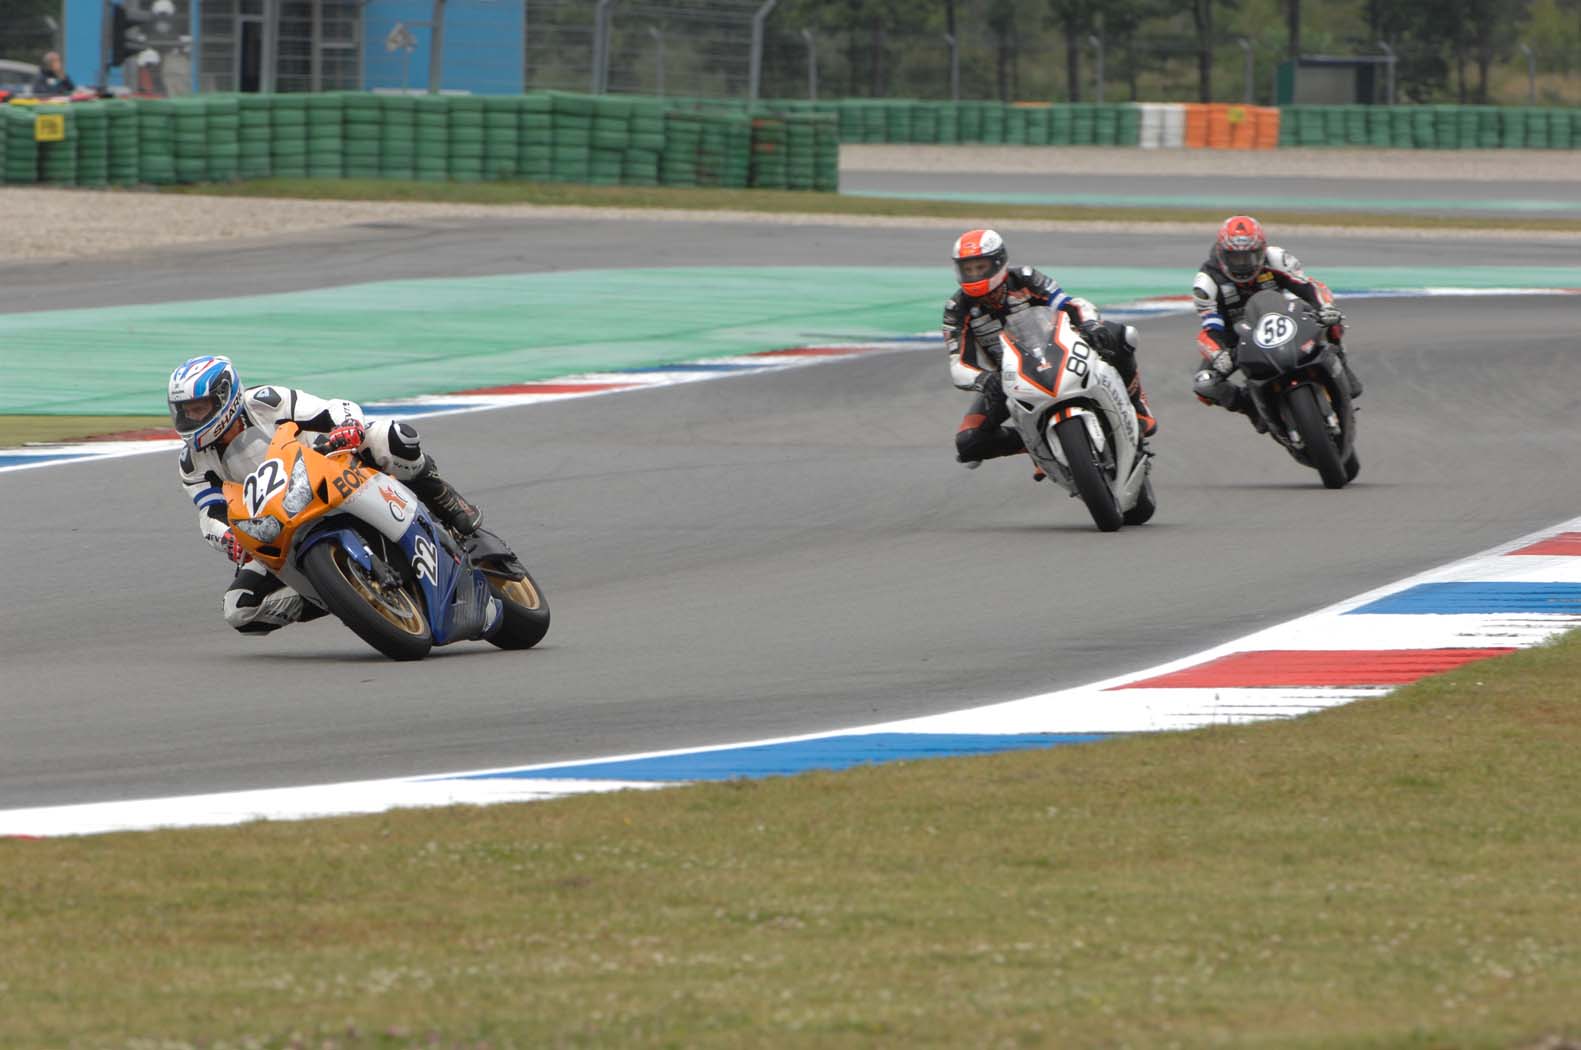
(388, 617)
(1092, 484)
(1320, 450)
(526, 611)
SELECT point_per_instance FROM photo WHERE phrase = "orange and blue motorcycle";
(357, 542)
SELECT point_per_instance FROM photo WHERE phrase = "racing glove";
(348, 435)
(1097, 336)
(1328, 314)
(233, 548)
(1222, 363)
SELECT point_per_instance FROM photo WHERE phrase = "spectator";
(52, 79)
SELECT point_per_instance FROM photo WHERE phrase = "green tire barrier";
(636, 140)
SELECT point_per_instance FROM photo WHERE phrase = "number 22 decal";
(424, 561)
(261, 484)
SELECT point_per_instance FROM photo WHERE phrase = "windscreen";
(1031, 329)
(243, 455)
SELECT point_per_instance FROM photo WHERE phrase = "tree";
(1075, 22)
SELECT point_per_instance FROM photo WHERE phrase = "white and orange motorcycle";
(1075, 418)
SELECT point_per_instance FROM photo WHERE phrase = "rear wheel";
(1092, 482)
(387, 616)
(526, 611)
(1305, 412)
(1352, 466)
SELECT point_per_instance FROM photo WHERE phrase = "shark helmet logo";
(394, 502)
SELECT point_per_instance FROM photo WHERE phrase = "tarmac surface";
(759, 555)
(1250, 192)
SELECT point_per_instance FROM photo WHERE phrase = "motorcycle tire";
(1352, 466)
(1145, 507)
(1091, 483)
(1320, 450)
(526, 611)
(392, 622)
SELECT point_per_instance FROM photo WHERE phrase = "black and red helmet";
(981, 262)
(1242, 247)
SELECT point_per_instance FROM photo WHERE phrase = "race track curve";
(763, 555)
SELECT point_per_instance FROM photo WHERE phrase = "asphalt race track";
(1254, 192)
(755, 556)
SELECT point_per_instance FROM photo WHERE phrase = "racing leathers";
(1221, 304)
(971, 337)
(257, 601)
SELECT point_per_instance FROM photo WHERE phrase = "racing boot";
(1144, 411)
(975, 443)
(448, 505)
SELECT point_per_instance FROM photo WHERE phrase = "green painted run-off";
(395, 339)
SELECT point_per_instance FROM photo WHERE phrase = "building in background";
(311, 45)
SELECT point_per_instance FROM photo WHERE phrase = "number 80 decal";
(1076, 362)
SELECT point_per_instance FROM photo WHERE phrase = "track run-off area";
(765, 554)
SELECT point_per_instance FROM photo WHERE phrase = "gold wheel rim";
(395, 606)
(520, 592)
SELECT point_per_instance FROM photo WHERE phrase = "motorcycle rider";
(1241, 264)
(973, 316)
(210, 409)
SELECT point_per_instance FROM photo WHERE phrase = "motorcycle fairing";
(1040, 394)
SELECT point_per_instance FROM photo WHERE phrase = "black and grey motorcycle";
(1297, 384)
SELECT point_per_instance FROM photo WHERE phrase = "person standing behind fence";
(52, 79)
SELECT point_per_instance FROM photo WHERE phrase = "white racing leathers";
(257, 601)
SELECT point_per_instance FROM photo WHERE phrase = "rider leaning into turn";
(1242, 264)
(973, 317)
(210, 409)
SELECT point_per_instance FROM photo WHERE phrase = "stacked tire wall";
(639, 141)
(546, 136)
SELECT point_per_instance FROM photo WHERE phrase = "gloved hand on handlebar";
(348, 435)
(1222, 363)
(233, 548)
(1328, 314)
(987, 383)
(1097, 336)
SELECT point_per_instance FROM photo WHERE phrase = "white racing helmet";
(205, 398)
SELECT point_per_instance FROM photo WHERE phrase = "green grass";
(16, 430)
(1395, 873)
(789, 202)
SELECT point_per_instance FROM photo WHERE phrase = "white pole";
(755, 70)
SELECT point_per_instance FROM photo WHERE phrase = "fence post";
(812, 63)
(601, 46)
(955, 67)
(1097, 44)
(1531, 73)
(658, 41)
(436, 49)
(1246, 46)
(755, 75)
(1388, 93)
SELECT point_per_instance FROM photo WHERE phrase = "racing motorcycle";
(1075, 417)
(358, 543)
(1298, 385)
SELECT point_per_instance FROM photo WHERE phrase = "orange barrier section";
(1267, 133)
(1219, 125)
